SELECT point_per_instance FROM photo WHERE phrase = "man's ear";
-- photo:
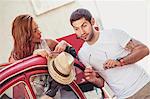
(92, 21)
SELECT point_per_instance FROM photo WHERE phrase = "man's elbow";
(146, 50)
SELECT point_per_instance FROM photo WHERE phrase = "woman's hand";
(111, 64)
(61, 46)
(42, 52)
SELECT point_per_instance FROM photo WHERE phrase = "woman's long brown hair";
(22, 34)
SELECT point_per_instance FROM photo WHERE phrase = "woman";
(27, 38)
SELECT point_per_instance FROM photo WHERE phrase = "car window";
(17, 91)
(39, 83)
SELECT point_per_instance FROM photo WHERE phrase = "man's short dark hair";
(80, 13)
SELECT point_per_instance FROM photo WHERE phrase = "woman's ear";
(92, 21)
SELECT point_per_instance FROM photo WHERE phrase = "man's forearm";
(137, 54)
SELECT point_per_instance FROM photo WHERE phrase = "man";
(113, 54)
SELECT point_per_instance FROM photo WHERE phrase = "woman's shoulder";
(51, 43)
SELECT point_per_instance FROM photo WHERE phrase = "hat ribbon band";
(64, 75)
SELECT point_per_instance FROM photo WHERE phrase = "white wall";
(129, 15)
(148, 32)
(148, 21)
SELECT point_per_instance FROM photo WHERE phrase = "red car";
(18, 80)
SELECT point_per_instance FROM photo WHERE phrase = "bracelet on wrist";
(121, 60)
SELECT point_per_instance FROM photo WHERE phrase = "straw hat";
(61, 68)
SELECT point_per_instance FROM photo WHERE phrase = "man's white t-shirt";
(125, 81)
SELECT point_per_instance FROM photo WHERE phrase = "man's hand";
(93, 77)
(111, 64)
(90, 75)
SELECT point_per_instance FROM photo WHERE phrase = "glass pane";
(20, 92)
(39, 83)
(17, 91)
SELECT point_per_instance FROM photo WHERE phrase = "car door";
(27, 79)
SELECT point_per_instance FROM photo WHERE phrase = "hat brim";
(60, 79)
